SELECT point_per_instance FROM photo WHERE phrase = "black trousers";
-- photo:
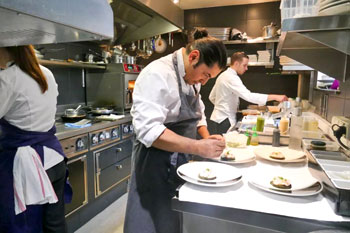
(222, 127)
(53, 214)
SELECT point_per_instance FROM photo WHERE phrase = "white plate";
(312, 190)
(241, 156)
(291, 156)
(225, 175)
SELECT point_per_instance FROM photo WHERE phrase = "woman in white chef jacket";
(228, 89)
(167, 114)
(31, 199)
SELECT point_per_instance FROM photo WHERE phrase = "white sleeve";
(151, 103)
(7, 94)
(238, 88)
(212, 94)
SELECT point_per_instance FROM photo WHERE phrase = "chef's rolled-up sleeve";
(151, 104)
(203, 120)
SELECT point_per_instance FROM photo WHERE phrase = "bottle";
(249, 137)
(283, 126)
(260, 122)
(296, 130)
(254, 141)
(276, 137)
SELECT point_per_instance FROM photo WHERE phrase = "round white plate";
(291, 156)
(241, 156)
(310, 191)
(225, 175)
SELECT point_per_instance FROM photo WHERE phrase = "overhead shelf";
(72, 64)
(321, 42)
(250, 41)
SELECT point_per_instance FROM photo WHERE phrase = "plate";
(241, 155)
(225, 175)
(310, 191)
(291, 156)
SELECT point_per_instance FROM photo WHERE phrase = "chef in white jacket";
(228, 89)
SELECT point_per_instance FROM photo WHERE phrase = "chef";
(32, 166)
(167, 114)
(228, 89)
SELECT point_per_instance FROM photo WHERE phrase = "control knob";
(115, 133)
(126, 129)
(80, 144)
(94, 139)
(101, 137)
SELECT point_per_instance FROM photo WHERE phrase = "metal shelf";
(250, 41)
(72, 64)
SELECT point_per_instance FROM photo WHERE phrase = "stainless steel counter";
(64, 132)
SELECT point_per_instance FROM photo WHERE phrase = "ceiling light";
(176, 1)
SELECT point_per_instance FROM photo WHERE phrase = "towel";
(31, 184)
(80, 124)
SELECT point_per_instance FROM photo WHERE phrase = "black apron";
(154, 179)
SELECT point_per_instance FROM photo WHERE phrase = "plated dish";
(235, 156)
(210, 174)
(280, 154)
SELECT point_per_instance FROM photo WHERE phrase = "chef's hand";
(210, 147)
(217, 136)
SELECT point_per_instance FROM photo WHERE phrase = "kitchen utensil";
(101, 111)
(133, 46)
(160, 45)
(71, 112)
(269, 31)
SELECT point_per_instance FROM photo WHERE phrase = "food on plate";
(277, 155)
(318, 145)
(280, 182)
(234, 139)
(207, 174)
(228, 155)
(274, 109)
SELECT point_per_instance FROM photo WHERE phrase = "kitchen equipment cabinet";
(112, 166)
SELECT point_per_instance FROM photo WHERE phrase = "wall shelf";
(228, 42)
(72, 64)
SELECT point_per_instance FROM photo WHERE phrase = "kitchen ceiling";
(194, 4)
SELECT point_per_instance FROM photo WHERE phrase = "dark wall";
(69, 80)
(246, 18)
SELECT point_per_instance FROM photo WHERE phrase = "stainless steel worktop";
(65, 132)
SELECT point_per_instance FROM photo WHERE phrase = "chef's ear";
(194, 56)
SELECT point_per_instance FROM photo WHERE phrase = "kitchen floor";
(110, 220)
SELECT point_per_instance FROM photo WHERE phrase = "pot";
(117, 58)
(269, 31)
(101, 111)
(129, 59)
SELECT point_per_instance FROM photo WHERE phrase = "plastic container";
(254, 141)
(260, 123)
(299, 8)
(330, 146)
(276, 137)
(296, 130)
(284, 126)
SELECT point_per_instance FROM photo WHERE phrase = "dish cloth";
(31, 184)
(111, 117)
(80, 124)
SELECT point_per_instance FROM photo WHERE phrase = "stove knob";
(126, 129)
(131, 128)
(94, 139)
(101, 137)
(80, 144)
(115, 133)
(107, 135)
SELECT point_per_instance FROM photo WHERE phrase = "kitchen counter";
(64, 132)
(228, 208)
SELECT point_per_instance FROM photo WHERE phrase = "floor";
(110, 220)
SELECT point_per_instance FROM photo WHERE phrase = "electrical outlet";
(342, 121)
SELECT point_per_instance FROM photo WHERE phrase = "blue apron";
(11, 137)
(154, 179)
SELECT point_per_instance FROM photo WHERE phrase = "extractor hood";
(54, 21)
(140, 19)
(321, 42)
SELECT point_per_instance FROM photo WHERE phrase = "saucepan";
(72, 114)
(101, 111)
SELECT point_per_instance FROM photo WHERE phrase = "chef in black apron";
(154, 179)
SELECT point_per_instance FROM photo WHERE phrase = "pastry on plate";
(207, 174)
(228, 155)
(281, 183)
(277, 155)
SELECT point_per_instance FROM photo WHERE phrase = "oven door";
(78, 180)
(129, 80)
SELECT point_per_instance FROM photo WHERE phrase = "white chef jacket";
(25, 106)
(225, 96)
(156, 99)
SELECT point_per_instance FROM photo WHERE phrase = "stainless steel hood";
(140, 19)
(54, 21)
(322, 43)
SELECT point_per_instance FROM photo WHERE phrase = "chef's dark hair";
(212, 50)
(24, 57)
(238, 56)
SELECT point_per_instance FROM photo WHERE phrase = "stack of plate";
(334, 7)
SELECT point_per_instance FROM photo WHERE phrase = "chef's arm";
(170, 141)
(279, 98)
(203, 131)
